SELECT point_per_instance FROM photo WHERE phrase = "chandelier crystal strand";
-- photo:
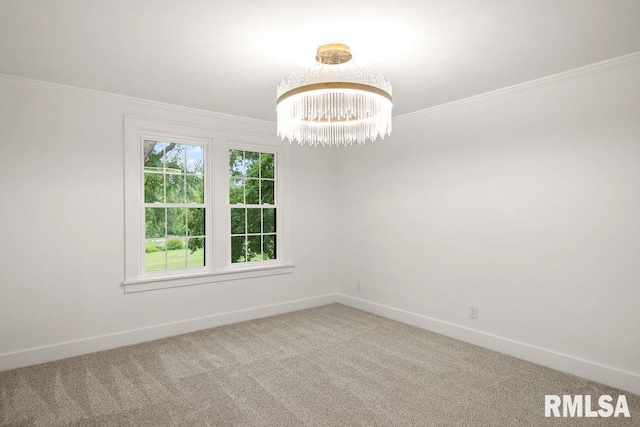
(334, 103)
(365, 117)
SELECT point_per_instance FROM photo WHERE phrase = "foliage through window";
(252, 200)
(174, 205)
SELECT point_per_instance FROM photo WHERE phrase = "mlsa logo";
(581, 406)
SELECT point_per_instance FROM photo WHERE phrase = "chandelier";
(334, 103)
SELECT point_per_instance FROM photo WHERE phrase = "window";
(253, 211)
(203, 205)
(174, 205)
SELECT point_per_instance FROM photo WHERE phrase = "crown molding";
(587, 70)
(57, 87)
(576, 73)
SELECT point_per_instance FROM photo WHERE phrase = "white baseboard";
(34, 356)
(614, 377)
(624, 380)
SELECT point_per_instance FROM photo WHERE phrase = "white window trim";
(218, 265)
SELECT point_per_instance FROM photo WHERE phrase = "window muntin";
(174, 205)
(253, 208)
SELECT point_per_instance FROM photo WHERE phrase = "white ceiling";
(228, 56)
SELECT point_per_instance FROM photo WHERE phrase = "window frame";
(217, 143)
(276, 205)
(205, 143)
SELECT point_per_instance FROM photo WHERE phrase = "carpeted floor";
(327, 366)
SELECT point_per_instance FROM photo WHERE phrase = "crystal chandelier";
(334, 103)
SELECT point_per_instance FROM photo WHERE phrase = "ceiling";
(228, 56)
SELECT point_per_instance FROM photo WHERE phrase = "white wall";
(62, 230)
(526, 205)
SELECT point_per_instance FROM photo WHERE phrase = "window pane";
(154, 257)
(195, 159)
(267, 191)
(238, 221)
(174, 176)
(252, 192)
(176, 222)
(175, 188)
(154, 222)
(236, 166)
(252, 182)
(176, 253)
(195, 255)
(269, 244)
(153, 155)
(195, 189)
(254, 221)
(236, 191)
(267, 165)
(238, 249)
(252, 164)
(195, 221)
(175, 158)
(254, 248)
(153, 188)
(269, 220)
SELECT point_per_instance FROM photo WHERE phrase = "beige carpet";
(327, 366)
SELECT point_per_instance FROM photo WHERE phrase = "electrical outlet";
(473, 311)
(358, 286)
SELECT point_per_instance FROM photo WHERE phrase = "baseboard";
(611, 376)
(624, 380)
(34, 356)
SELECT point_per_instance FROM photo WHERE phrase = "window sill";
(150, 284)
